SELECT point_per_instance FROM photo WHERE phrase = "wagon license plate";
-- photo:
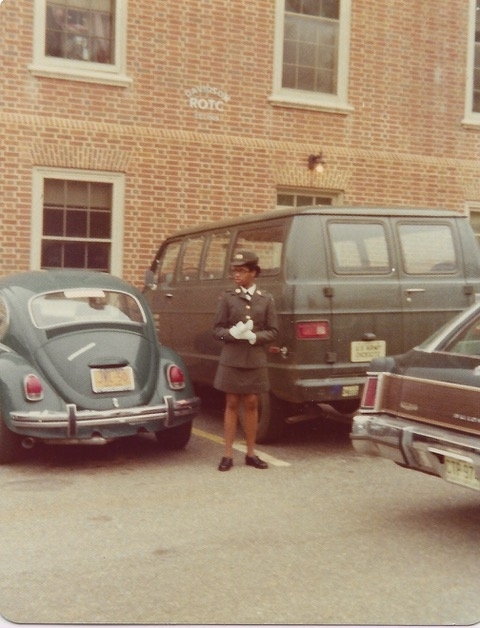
(365, 351)
(112, 379)
(461, 472)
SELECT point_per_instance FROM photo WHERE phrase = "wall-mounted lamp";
(315, 162)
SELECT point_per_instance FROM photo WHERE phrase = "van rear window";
(359, 247)
(427, 248)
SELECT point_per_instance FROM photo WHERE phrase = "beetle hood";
(90, 367)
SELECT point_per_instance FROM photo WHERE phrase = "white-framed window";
(303, 198)
(472, 95)
(311, 60)
(473, 210)
(77, 220)
(83, 40)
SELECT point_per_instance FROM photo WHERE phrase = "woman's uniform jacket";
(234, 306)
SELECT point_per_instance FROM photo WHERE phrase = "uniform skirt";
(241, 381)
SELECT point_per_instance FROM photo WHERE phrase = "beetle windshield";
(66, 307)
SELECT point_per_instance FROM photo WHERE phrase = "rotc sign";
(207, 102)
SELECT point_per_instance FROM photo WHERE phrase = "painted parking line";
(276, 462)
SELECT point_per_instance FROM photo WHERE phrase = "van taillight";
(313, 330)
(32, 388)
(175, 377)
(370, 392)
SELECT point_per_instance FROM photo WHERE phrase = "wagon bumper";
(108, 424)
(448, 454)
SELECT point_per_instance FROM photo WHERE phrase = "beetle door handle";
(414, 290)
(168, 295)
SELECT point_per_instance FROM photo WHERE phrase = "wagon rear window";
(85, 306)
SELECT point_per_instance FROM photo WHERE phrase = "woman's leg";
(250, 408)
(230, 421)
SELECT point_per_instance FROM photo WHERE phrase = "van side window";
(190, 264)
(216, 256)
(267, 243)
(359, 247)
(168, 262)
(427, 248)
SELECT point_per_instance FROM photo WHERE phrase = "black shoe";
(254, 461)
(225, 464)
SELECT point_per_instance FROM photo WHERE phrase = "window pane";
(53, 222)
(292, 199)
(74, 255)
(80, 30)
(52, 255)
(98, 256)
(76, 226)
(267, 243)
(191, 259)
(311, 30)
(427, 249)
(359, 248)
(167, 265)
(100, 226)
(475, 221)
(68, 214)
(216, 255)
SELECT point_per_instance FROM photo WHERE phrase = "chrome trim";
(72, 418)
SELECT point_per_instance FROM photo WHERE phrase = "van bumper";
(324, 390)
(447, 454)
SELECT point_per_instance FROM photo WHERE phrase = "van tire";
(271, 418)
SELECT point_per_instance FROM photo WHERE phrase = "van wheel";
(10, 445)
(175, 437)
(346, 406)
(271, 418)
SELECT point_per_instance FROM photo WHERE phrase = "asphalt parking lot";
(129, 534)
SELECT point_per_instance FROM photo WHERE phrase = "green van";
(350, 284)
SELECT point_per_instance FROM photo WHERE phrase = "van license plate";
(461, 472)
(364, 351)
(112, 380)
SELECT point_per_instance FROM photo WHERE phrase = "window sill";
(82, 75)
(333, 106)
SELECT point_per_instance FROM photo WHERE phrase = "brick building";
(124, 120)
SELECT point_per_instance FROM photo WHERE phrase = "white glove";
(250, 336)
(237, 330)
(249, 325)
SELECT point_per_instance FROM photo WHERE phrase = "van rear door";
(432, 275)
(366, 304)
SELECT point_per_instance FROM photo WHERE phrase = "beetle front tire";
(10, 445)
(175, 437)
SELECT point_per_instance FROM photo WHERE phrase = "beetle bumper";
(90, 425)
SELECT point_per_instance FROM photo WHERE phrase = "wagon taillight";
(32, 388)
(175, 377)
(370, 392)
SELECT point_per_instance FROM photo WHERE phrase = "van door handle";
(414, 290)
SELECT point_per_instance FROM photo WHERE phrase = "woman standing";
(246, 321)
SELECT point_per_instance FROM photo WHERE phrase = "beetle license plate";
(112, 379)
(461, 472)
(364, 351)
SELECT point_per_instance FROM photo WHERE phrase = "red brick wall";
(403, 144)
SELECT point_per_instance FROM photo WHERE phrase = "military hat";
(244, 258)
